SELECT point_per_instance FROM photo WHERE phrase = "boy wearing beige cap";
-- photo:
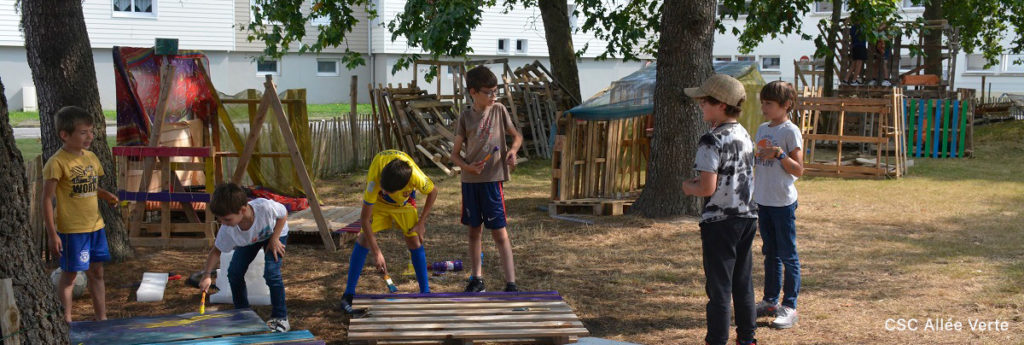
(725, 161)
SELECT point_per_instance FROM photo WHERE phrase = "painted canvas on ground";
(156, 329)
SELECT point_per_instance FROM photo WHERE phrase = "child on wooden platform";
(778, 164)
(390, 198)
(246, 226)
(725, 159)
(480, 135)
(76, 234)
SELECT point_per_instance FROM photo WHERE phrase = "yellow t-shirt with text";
(418, 181)
(77, 181)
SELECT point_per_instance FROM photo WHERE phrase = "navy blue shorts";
(483, 203)
(79, 250)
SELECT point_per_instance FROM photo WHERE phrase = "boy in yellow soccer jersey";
(390, 199)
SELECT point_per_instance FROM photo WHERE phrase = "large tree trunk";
(64, 74)
(830, 58)
(561, 53)
(933, 40)
(677, 119)
(40, 311)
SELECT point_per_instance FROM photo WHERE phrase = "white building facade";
(217, 28)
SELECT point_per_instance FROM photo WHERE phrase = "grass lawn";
(30, 148)
(944, 242)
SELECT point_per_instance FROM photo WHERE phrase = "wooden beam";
(166, 82)
(10, 316)
(250, 143)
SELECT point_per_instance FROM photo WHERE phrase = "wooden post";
(10, 317)
(353, 122)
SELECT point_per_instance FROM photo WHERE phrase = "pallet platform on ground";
(465, 318)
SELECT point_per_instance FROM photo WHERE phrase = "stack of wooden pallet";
(539, 99)
(409, 119)
(465, 318)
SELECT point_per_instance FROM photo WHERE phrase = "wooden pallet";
(594, 206)
(465, 318)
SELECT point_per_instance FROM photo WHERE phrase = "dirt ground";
(946, 242)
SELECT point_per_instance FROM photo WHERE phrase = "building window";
(268, 67)
(1014, 64)
(134, 8)
(503, 44)
(771, 63)
(976, 63)
(521, 46)
(572, 17)
(826, 7)
(327, 68)
(745, 58)
(723, 58)
(908, 63)
(913, 4)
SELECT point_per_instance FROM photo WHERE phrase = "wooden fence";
(333, 149)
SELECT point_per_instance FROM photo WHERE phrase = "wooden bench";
(465, 318)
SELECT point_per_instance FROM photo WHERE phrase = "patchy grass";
(31, 118)
(317, 111)
(30, 148)
(946, 241)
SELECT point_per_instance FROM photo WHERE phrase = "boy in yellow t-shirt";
(390, 199)
(76, 234)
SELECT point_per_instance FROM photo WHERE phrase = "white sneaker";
(873, 82)
(886, 83)
(765, 309)
(786, 317)
(856, 83)
(279, 325)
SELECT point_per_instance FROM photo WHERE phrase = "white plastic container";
(152, 287)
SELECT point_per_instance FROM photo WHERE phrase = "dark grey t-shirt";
(727, 151)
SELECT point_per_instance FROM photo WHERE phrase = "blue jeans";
(778, 232)
(271, 272)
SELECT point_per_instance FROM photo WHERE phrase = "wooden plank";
(10, 322)
(848, 138)
(293, 337)
(947, 127)
(456, 312)
(845, 168)
(255, 126)
(461, 305)
(465, 318)
(168, 242)
(963, 127)
(471, 334)
(954, 146)
(936, 127)
(441, 327)
(298, 164)
(446, 300)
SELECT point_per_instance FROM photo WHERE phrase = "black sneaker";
(475, 285)
(511, 287)
(346, 304)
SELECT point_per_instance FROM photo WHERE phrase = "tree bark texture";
(684, 60)
(63, 71)
(933, 40)
(830, 59)
(561, 53)
(42, 319)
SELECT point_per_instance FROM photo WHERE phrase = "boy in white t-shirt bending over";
(246, 227)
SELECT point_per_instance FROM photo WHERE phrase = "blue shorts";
(78, 250)
(483, 203)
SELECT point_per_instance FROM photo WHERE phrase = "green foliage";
(984, 23)
(282, 23)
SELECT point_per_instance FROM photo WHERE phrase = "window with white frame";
(268, 67)
(134, 8)
(326, 68)
(745, 58)
(725, 58)
(976, 63)
(522, 46)
(771, 63)
(908, 4)
(573, 18)
(503, 44)
(1013, 64)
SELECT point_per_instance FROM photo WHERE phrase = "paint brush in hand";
(202, 304)
(488, 156)
(391, 284)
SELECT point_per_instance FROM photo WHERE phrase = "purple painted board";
(290, 338)
(163, 196)
(462, 294)
(157, 329)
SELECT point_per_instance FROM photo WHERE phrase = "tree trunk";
(561, 53)
(933, 40)
(830, 58)
(64, 74)
(677, 119)
(42, 318)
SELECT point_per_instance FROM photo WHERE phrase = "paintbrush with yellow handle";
(202, 304)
